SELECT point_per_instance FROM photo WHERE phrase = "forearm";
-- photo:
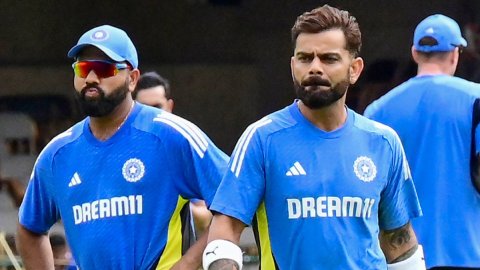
(34, 249)
(398, 244)
(225, 227)
(193, 257)
(401, 249)
(223, 239)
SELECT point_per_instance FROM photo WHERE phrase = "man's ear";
(292, 60)
(356, 69)
(133, 75)
(414, 54)
(170, 104)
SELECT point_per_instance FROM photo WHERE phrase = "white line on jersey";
(242, 145)
(187, 129)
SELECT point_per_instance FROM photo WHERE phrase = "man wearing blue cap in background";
(436, 116)
(119, 178)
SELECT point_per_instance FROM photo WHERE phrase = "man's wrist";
(224, 264)
(414, 262)
(222, 250)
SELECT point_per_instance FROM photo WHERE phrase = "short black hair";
(325, 18)
(152, 79)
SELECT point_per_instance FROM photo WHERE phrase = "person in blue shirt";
(119, 178)
(436, 116)
(324, 187)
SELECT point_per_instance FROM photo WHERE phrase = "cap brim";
(77, 48)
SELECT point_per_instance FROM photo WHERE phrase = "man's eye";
(303, 58)
(330, 59)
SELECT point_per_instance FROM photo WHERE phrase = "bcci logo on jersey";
(133, 170)
(365, 169)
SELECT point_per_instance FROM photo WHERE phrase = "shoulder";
(168, 126)
(272, 123)
(469, 88)
(375, 128)
(61, 140)
(155, 121)
(450, 86)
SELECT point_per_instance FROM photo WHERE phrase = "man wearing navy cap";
(118, 179)
(436, 116)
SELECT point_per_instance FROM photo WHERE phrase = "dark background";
(227, 61)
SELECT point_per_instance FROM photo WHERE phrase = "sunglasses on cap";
(103, 69)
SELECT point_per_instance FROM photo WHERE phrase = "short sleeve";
(243, 185)
(39, 211)
(399, 202)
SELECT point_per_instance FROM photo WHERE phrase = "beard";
(309, 92)
(103, 104)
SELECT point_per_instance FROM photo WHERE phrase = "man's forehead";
(329, 40)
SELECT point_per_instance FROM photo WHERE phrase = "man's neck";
(106, 126)
(432, 69)
(328, 118)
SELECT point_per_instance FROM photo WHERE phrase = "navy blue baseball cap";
(443, 29)
(114, 42)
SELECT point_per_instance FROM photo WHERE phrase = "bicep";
(398, 244)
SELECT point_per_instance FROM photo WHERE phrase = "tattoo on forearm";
(398, 244)
(223, 264)
(397, 238)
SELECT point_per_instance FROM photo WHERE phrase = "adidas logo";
(296, 169)
(75, 180)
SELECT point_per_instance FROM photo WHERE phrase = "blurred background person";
(436, 116)
(154, 90)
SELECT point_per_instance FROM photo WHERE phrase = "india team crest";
(133, 170)
(365, 169)
(99, 35)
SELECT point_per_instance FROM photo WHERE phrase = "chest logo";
(365, 169)
(133, 170)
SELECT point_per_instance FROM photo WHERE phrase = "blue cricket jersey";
(433, 116)
(318, 199)
(120, 199)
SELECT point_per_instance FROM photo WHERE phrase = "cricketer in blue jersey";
(323, 187)
(436, 116)
(118, 179)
